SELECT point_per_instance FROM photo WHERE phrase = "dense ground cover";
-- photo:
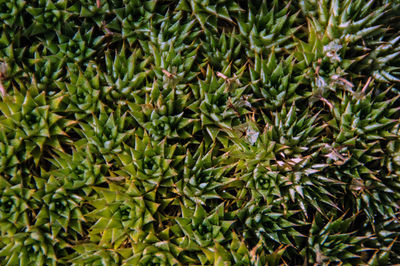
(199, 132)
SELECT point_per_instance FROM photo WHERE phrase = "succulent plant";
(16, 207)
(78, 172)
(8, 159)
(119, 217)
(220, 102)
(61, 212)
(30, 119)
(209, 13)
(205, 230)
(272, 82)
(333, 242)
(151, 164)
(360, 122)
(160, 118)
(267, 26)
(83, 91)
(125, 74)
(104, 134)
(32, 246)
(11, 13)
(199, 132)
(92, 254)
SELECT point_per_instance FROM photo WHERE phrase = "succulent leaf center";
(125, 212)
(6, 205)
(31, 119)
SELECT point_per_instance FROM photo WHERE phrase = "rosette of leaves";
(121, 20)
(174, 56)
(90, 13)
(8, 156)
(33, 246)
(283, 163)
(79, 171)
(79, 47)
(266, 228)
(183, 250)
(124, 75)
(130, 229)
(210, 14)
(364, 131)
(45, 72)
(61, 211)
(220, 103)
(222, 50)
(162, 114)
(121, 214)
(382, 241)
(47, 16)
(266, 26)
(11, 13)
(203, 228)
(20, 61)
(12, 72)
(150, 163)
(35, 122)
(241, 255)
(132, 18)
(12, 52)
(273, 83)
(382, 61)
(322, 66)
(104, 133)
(348, 20)
(92, 254)
(154, 250)
(16, 207)
(54, 36)
(342, 34)
(83, 89)
(334, 241)
(239, 251)
(53, 26)
(202, 176)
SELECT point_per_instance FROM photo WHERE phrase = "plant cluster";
(191, 132)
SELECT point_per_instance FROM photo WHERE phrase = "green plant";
(199, 132)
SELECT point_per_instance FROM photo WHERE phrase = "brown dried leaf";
(220, 75)
(169, 75)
